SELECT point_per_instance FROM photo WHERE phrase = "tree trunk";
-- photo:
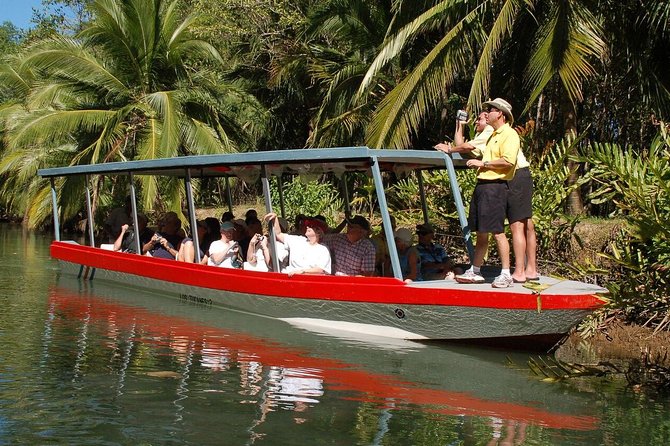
(575, 201)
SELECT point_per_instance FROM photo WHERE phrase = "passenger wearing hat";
(224, 252)
(408, 255)
(353, 252)
(488, 207)
(435, 262)
(306, 254)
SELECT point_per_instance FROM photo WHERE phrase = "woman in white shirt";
(258, 254)
(306, 254)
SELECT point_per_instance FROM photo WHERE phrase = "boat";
(521, 317)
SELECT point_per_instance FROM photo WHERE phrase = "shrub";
(309, 198)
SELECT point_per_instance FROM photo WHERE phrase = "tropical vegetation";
(137, 79)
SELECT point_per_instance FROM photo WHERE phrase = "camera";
(462, 115)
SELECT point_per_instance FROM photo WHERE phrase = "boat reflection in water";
(279, 369)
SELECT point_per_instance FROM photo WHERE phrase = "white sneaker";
(470, 276)
(502, 281)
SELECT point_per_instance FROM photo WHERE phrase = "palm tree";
(563, 40)
(134, 84)
(345, 35)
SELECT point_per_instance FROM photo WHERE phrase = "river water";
(92, 363)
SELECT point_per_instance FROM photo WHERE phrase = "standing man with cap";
(488, 207)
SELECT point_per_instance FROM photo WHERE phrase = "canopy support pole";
(54, 201)
(133, 206)
(422, 194)
(345, 191)
(89, 213)
(386, 219)
(460, 209)
(229, 195)
(268, 208)
(191, 215)
(280, 189)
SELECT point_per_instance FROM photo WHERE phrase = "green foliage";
(134, 84)
(60, 17)
(550, 178)
(10, 38)
(308, 197)
(639, 187)
(404, 197)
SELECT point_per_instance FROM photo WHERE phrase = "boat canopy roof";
(295, 161)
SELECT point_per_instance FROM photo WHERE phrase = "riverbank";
(618, 343)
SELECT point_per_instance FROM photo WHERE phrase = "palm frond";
(568, 41)
(501, 28)
(395, 45)
(402, 110)
(68, 57)
(57, 126)
(169, 109)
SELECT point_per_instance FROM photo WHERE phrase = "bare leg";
(480, 248)
(186, 252)
(519, 245)
(531, 250)
(503, 249)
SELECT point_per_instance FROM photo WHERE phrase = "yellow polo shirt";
(503, 143)
(479, 141)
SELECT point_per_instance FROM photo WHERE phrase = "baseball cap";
(227, 226)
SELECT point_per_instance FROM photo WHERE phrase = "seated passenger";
(165, 243)
(410, 261)
(187, 248)
(241, 236)
(224, 252)
(306, 254)
(227, 216)
(353, 252)
(213, 232)
(435, 263)
(125, 242)
(117, 218)
(251, 214)
(258, 255)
